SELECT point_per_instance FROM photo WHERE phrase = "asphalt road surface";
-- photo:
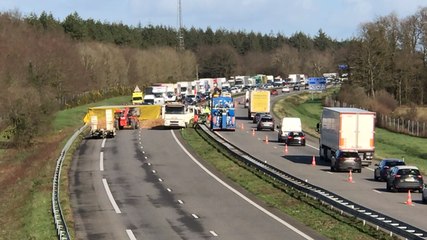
(144, 185)
(298, 162)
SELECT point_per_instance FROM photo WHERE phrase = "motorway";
(297, 161)
(143, 184)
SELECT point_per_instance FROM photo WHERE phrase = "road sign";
(316, 83)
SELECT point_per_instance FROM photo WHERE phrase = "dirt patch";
(151, 123)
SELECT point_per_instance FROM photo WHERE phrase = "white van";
(288, 124)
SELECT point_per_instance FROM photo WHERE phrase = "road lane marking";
(154, 171)
(130, 234)
(110, 196)
(180, 202)
(101, 161)
(213, 233)
(195, 216)
(169, 190)
(370, 169)
(268, 213)
(160, 180)
(377, 191)
(103, 143)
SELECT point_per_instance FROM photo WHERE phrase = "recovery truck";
(222, 113)
(347, 129)
(126, 118)
(259, 102)
(177, 115)
(101, 122)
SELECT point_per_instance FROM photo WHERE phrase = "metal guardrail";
(375, 219)
(58, 217)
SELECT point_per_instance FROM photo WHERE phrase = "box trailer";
(259, 101)
(347, 129)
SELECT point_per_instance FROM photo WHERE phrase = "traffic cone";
(242, 126)
(253, 131)
(409, 199)
(266, 139)
(313, 161)
(350, 177)
(285, 149)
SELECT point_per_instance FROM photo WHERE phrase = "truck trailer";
(347, 129)
(101, 122)
(259, 101)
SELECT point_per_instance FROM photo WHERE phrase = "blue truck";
(222, 113)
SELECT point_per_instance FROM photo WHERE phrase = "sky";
(339, 19)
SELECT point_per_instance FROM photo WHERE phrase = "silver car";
(265, 122)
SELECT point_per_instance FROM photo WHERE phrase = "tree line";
(48, 64)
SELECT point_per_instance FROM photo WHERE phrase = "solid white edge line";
(214, 233)
(110, 196)
(130, 234)
(239, 194)
(101, 161)
(103, 143)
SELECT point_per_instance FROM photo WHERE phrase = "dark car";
(257, 117)
(382, 169)
(295, 138)
(346, 161)
(265, 122)
(405, 178)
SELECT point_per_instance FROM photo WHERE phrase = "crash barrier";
(334, 201)
(58, 217)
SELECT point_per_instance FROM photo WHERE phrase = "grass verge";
(306, 210)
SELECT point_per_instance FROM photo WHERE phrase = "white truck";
(288, 124)
(347, 129)
(177, 115)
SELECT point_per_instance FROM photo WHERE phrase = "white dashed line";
(103, 143)
(377, 191)
(145, 157)
(149, 164)
(180, 202)
(195, 216)
(130, 234)
(283, 222)
(213, 233)
(101, 161)
(160, 180)
(154, 171)
(143, 152)
(169, 190)
(110, 196)
(330, 173)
